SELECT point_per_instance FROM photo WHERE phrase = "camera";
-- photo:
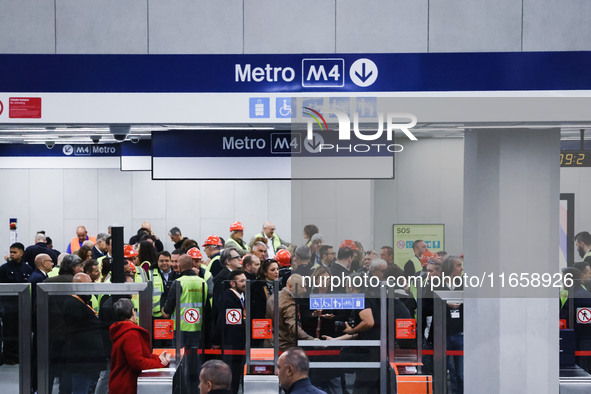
(341, 325)
(49, 144)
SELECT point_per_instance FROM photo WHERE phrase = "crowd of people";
(211, 279)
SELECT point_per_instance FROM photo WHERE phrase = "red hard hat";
(236, 226)
(194, 253)
(428, 256)
(129, 251)
(283, 258)
(213, 240)
(349, 244)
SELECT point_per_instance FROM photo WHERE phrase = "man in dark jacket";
(84, 353)
(215, 378)
(40, 247)
(13, 271)
(230, 331)
(292, 368)
(131, 350)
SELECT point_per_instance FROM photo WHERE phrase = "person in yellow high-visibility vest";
(212, 246)
(162, 279)
(193, 298)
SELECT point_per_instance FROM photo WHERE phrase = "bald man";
(43, 266)
(81, 236)
(81, 277)
(287, 313)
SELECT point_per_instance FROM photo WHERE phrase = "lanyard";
(82, 301)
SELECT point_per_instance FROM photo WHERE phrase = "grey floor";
(9, 379)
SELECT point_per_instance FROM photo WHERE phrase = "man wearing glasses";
(231, 261)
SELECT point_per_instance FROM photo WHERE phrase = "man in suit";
(342, 267)
(231, 261)
(100, 249)
(230, 332)
(43, 265)
(40, 247)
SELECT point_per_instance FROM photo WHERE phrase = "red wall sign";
(406, 329)
(261, 329)
(24, 107)
(163, 329)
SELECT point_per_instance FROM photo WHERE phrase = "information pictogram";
(192, 316)
(584, 315)
(233, 316)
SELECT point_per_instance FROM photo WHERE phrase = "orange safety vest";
(75, 244)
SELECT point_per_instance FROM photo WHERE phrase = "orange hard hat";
(213, 240)
(194, 253)
(283, 257)
(349, 244)
(427, 257)
(236, 226)
(129, 252)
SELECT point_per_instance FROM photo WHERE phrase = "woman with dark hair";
(309, 231)
(263, 288)
(188, 244)
(147, 253)
(84, 253)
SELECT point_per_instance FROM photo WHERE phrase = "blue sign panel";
(337, 301)
(261, 143)
(67, 150)
(405, 72)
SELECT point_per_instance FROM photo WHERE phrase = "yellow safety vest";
(276, 241)
(417, 264)
(55, 271)
(191, 302)
(157, 290)
(208, 268)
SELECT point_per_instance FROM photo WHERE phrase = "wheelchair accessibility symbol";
(283, 108)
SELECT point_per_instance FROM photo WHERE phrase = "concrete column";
(511, 206)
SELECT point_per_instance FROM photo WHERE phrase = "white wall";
(58, 200)
(428, 188)
(284, 26)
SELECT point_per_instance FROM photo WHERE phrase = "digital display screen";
(575, 158)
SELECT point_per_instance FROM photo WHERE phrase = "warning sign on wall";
(24, 107)
(163, 329)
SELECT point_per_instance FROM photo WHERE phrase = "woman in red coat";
(131, 350)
